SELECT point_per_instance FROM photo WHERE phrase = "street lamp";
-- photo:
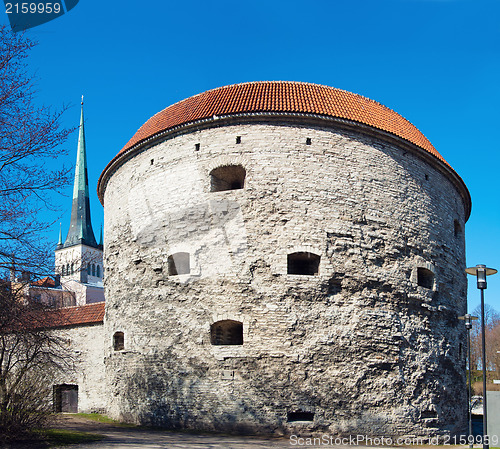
(481, 271)
(468, 325)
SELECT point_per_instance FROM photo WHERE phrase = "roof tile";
(74, 316)
(278, 96)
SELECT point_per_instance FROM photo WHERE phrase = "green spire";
(81, 162)
(60, 242)
(80, 229)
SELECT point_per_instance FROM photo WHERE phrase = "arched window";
(89, 269)
(457, 228)
(227, 177)
(303, 263)
(227, 332)
(98, 271)
(425, 278)
(68, 269)
(178, 263)
(63, 272)
(118, 341)
(72, 268)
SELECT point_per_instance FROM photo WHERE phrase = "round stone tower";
(285, 257)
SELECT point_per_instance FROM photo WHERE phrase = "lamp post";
(481, 271)
(468, 325)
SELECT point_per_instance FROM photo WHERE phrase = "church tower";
(79, 259)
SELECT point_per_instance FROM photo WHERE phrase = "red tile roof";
(282, 96)
(45, 282)
(279, 97)
(73, 316)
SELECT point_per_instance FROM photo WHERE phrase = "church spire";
(59, 242)
(80, 229)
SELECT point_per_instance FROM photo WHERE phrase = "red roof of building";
(282, 96)
(45, 282)
(278, 97)
(74, 316)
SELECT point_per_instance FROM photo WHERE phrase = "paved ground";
(118, 437)
(130, 438)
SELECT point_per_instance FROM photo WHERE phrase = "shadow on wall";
(169, 393)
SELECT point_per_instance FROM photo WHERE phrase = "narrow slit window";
(227, 177)
(178, 263)
(457, 228)
(197, 147)
(300, 416)
(308, 141)
(118, 341)
(303, 263)
(226, 332)
(238, 139)
(425, 278)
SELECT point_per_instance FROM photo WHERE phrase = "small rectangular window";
(303, 263)
(226, 332)
(300, 416)
(425, 278)
(227, 177)
(178, 263)
(118, 341)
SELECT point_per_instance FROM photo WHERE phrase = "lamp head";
(481, 276)
(468, 320)
(481, 271)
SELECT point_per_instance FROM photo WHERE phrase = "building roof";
(282, 96)
(74, 316)
(279, 97)
(45, 282)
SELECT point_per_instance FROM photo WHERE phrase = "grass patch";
(64, 437)
(95, 417)
(102, 419)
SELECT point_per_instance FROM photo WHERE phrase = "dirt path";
(119, 437)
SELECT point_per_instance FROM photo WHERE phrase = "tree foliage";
(30, 137)
(30, 353)
(492, 327)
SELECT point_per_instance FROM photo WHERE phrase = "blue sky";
(436, 62)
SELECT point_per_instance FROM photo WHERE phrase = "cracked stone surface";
(360, 347)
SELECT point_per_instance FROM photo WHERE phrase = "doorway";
(66, 398)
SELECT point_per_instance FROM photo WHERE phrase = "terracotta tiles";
(281, 96)
(72, 316)
(45, 282)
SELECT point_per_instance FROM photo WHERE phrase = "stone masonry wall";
(360, 345)
(86, 343)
